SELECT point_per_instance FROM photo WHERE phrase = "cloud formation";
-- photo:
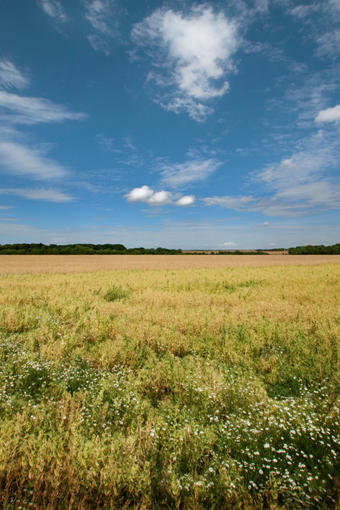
(186, 201)
(98, 44)
(159, 198)
(10, 76)
(20, 160)
(46, 195)
(329, 115)
(295, 186)
(194, 53)
(33, 110)
(98, 13)
(181, 174)
(53, 9)
(230, 202)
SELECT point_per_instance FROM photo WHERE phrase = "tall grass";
(188, 389)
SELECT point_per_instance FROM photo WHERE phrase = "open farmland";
(182, 386)
(80, 263)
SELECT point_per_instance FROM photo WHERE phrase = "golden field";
(80, 263)
(180, 387)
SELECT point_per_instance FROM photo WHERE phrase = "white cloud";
(230, 243)
(266, 224)
(34, 110)
(196, 111)
(46, 195)
(191, 171)
(329, 115)
(53, 9)
(22, 160)
(4, 207)
(159, 198)
(142, 194)
(272, 244)
(195, 53)
(10, 76)
(186, 201)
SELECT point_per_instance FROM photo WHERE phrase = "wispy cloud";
(229, 202)
(21, 160)
(303, 182)
(99, 44)
(307, 95)
(230, 243)
(194, 53)
(99, 13)
(159, 198)
(302, 167)
(33, 110)
(328, 43)
(53, 9)
(326, 33)
(46, 195)
(295, 186)
(10, 76)
(5, 207)
(107, 144)
(197, 111)
(181, 174)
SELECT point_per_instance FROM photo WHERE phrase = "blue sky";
(179, 124)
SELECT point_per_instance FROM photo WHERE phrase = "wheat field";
(192, 388)
(79, 263)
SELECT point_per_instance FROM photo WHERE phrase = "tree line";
(81, 249)
(315, 250)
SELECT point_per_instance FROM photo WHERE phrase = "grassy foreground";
(189, 389)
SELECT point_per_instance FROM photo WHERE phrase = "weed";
(115, 293)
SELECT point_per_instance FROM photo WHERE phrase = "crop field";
(190, 389)
(85, 263)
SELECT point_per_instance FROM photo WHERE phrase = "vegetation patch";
(115, 293)
(191, 395)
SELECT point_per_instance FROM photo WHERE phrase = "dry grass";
(88, 263)
(191, 389)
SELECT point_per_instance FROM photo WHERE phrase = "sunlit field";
(81, 263)
(203, 388)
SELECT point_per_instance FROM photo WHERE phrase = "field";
(177, 387)
(80, 263)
